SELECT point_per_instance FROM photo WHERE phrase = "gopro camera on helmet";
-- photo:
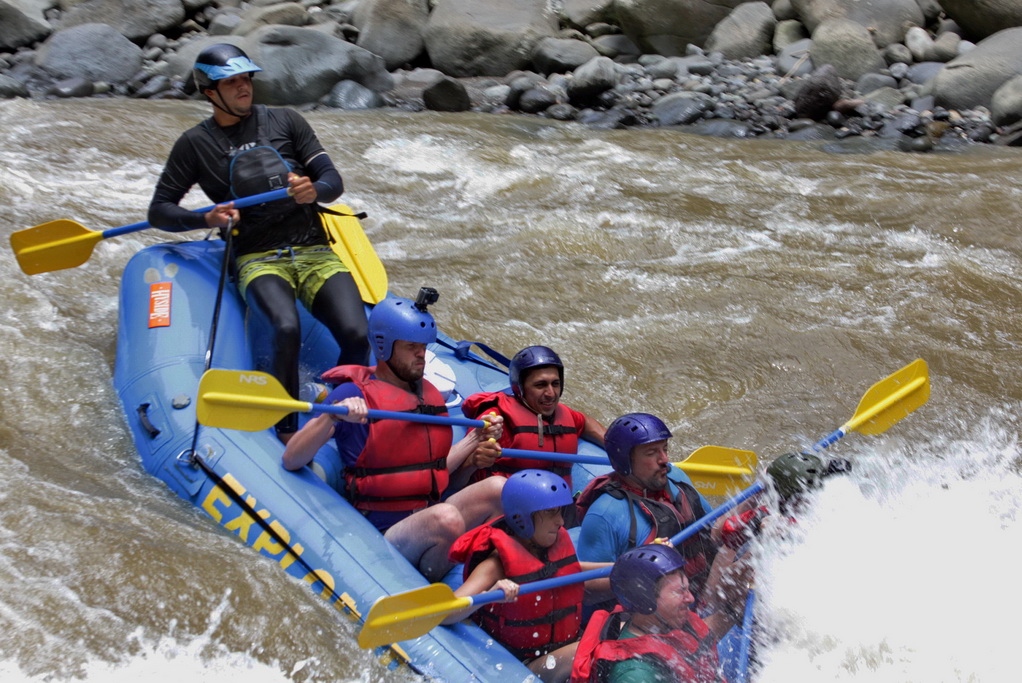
(427, 297)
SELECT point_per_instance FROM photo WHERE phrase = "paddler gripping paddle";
(414, 613)
(62, 244)
(253, 401)
(65, 243)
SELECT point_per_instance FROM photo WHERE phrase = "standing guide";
(280, 249)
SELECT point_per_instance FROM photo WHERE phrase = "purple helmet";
(636, 573)
(629, 431)
(397, 318)
(533, 357)
(528, 491)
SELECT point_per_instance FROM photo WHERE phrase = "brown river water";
(749, 292)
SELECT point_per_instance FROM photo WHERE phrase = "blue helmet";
(529, 491)
(533, 357)
(218, 62)
(397, 318)
(629, 431)
(636, 573)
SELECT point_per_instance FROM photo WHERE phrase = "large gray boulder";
(847, 45)
(970, 81)
(392, 29)
(486, 37)
(561, 55)
(747, 32)
(581, 13)
(1006, 104)
(302, 65)
(283, 13)
(667, 27)
(21, 24)
(886, 20)
(134, 19)
(982, 18)
(95, 52)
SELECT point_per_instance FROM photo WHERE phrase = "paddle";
(65, 243)
(886, 403)
(253, 401)
(408, 615)
(349, 242)
(414, 613)
(719, 470)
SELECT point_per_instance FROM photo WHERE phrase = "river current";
(749, 292)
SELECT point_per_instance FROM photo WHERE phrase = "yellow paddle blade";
(351, 245)
(718, 471)
(227, 399)
(409, 615)
(53, 246)
(891, 399)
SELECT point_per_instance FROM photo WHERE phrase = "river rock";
(582, 13)
(747, 32)
(447, 94)
(982, 18)
(486, 37)
(794, 60)
(392, 29)
(591, 80)
(282, 13)
(847, 45)
(818, 93)
(971, 80)
(788, 32)
(885, 20)
(1006, 103)
(558, 55)
(134, 20)
(667, 27)
(616, 46)
(21, 26)
(351, 95)
(95, 52)
(681, 108)
(11, 87)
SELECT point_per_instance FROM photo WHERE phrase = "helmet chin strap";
(222, 107)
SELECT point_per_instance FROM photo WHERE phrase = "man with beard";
(396, 472)
(643, 499)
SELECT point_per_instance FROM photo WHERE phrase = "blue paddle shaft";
(464, 422)
(829, 439)
(397, 415)
(676, 540)
(238, 204)
(556, 457)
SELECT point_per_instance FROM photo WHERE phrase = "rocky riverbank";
(914, 74)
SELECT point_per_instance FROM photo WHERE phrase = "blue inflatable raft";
(167, 299)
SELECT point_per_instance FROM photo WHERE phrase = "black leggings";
(278, 341)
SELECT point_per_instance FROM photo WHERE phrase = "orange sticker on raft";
(159, 304)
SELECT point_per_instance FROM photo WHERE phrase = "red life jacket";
(403, 465)
(537, 623)
(559, 434)
(689, 653)
(668, 517)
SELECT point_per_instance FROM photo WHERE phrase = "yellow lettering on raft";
(243, 522)
(266, 542)
(289, 558)
(325, 577)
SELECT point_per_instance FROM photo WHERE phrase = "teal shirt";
(638, 669)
